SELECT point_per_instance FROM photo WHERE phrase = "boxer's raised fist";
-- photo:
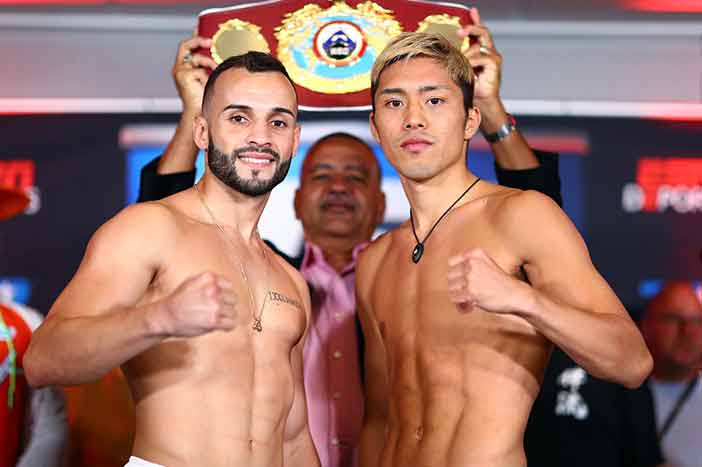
(201, 304)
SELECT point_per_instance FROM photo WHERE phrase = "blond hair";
(409, 45)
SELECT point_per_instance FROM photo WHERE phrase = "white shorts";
(139, 462)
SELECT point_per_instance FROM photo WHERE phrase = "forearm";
(512, 152)
(181, 152)
(605, 343)
(77, 350)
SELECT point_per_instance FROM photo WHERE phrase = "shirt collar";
(314, 257)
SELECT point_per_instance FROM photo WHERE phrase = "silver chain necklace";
(257, 324)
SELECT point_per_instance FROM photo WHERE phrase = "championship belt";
(327, 47)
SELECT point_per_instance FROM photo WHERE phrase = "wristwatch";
(505, 129)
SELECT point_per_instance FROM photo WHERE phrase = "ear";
(298, 204)
(472, 123)
(380, 214)
(373, 129)
(201, 133)
(296, 139)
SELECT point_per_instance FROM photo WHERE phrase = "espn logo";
(665, 184)
(21, 174)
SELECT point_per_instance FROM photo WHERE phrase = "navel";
(419, 434)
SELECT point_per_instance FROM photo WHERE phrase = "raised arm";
(174, 171)
(298, 448)
(511, 152)
(516, 164)
(190, 73)
(375, 371)
(98, 322)
(568, 301)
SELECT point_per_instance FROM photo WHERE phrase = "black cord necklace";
(418, 250)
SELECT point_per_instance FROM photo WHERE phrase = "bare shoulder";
(535, 227)
(491, 194)
(370, 260)
(142, 220)
(149, 211)
(527, 208)
(140, 230)
(486, 200)
(530, 199)
(373, 254)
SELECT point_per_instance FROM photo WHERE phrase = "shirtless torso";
(223, 398)
(456, 344)
(461, 381)
(226, 396)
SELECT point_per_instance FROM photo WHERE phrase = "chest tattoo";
(279, 297)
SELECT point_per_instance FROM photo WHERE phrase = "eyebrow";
(422, 89)
(434, 87)
(248, 108)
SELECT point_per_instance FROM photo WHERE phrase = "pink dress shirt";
(332, 369)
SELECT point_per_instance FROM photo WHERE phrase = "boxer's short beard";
(224, 168)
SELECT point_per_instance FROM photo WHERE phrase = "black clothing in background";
(582, 421)
(544, 178)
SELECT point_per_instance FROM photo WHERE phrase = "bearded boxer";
(206, 321)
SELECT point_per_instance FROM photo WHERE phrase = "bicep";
(116, 270)
(557, 261)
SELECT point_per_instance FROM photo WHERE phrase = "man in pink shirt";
(339, 203)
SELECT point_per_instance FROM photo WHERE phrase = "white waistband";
(139, 462)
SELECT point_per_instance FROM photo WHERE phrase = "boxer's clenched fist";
(474, 279)
(485, 60)
(201, 304)
(191, 70)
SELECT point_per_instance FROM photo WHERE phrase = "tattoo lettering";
(279, 297)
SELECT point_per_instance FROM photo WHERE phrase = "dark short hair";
(343, 134)
(253, 62)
